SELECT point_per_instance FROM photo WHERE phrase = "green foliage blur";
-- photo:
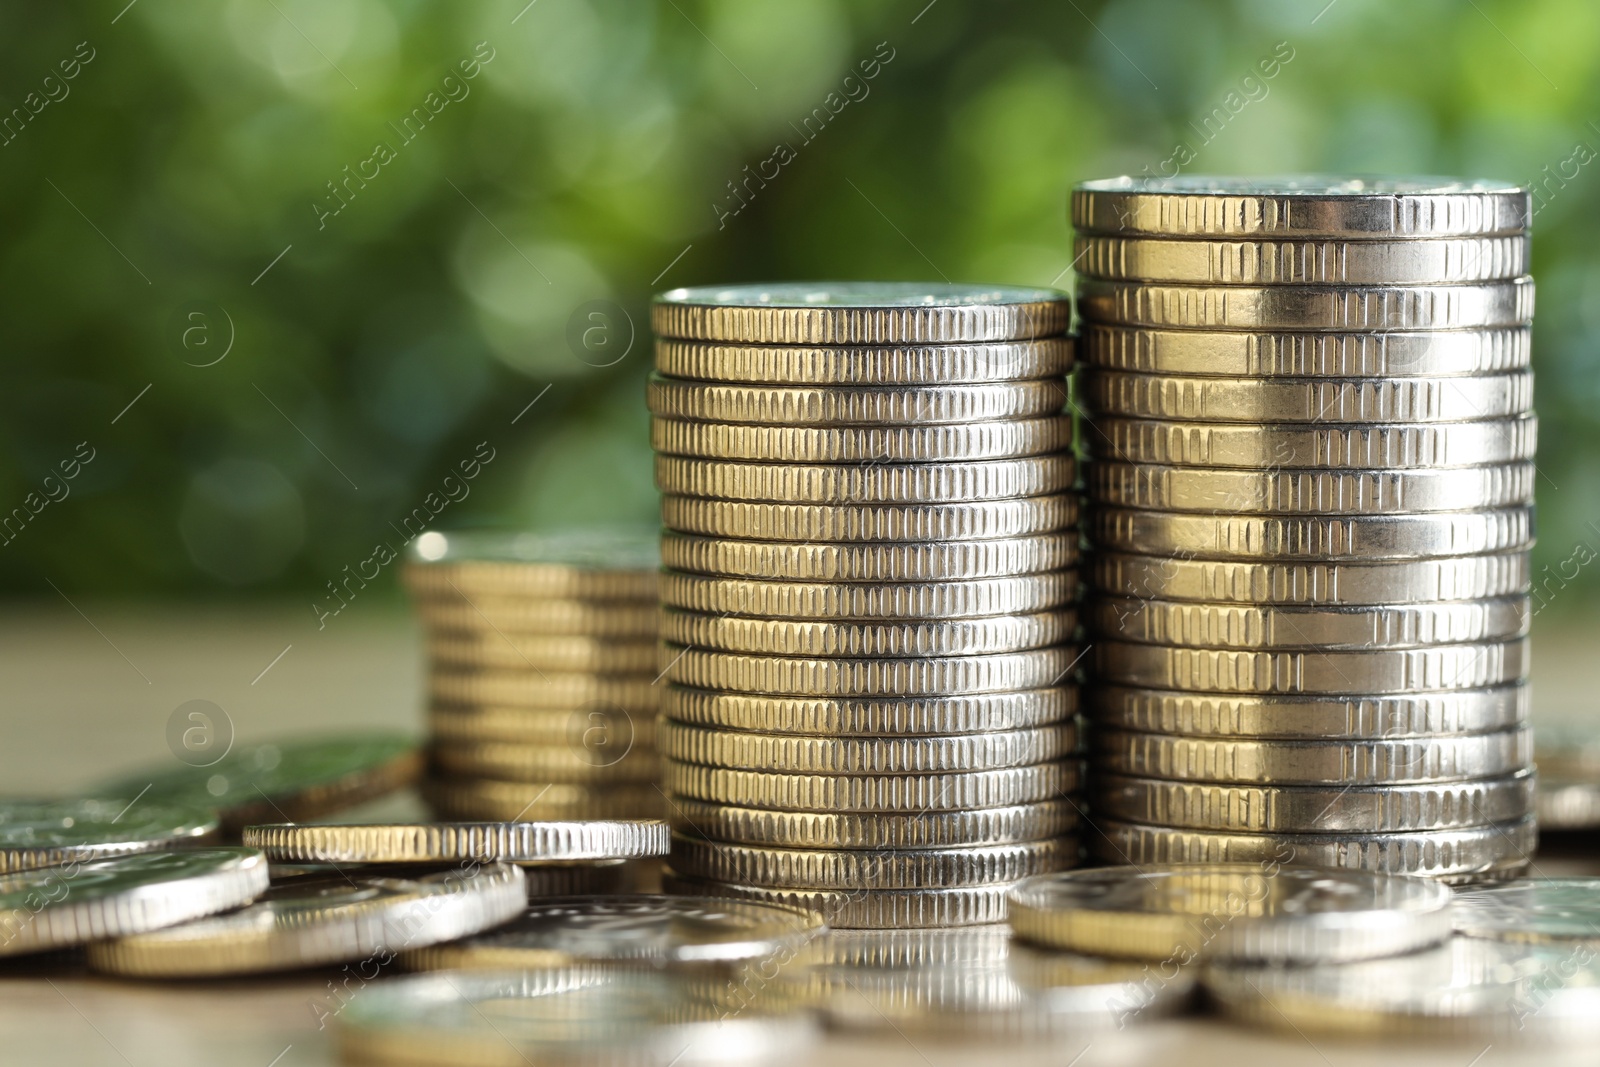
(330, 251)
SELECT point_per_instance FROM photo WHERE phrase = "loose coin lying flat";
(1481, 853)
(871, 522)
(1466, 990)
(859, 313)
(943, 715)
(866, 755)
(882, 562)
(602, 764)
(485, 798)
(820, 637)
(852, 405)
(295, 780)
(952, 791)
(85, 900)
(1532, 911)
(834, 830)
(1308, 718)
(869, 909)
(46, 833)
(509, 842)
(940, 364)
(868, 869)
(921, 676)
(878, 483)
(600, 563)
(328, 918)
(931, 443)
(868, 600)
(649, 930)
(1273, 912)
(579, 1015)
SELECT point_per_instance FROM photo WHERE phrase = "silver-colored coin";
(600, 563)
(1217, 912)
(900, 793)
(1302, 262)
(508, 842)
(1370, 354)
(85, 899)
(921, 676)
(1309, 492)
(874, 522)
(834, 830)
(1483, 305)
(874, 483)
(931, 443)
(868, 600)
(942, 364)
(1192, 625)
(644, 929)
(869, 909)
(859, 313)
(1315, 808)
(1311, 538)
(328, 918)
(1249, 762)
(1532, 911)
(869, 869)
(1407, 670)
(1355, 582)
(853, 405)
(1466, 990)
(908, 561)
(578, 1015)
(1306, 718)
(1315, 206)
(819, 637)
(1359, 447)
(1566, 804)
(1459, 856)
(865, 755)
(941, 715)
(48, 833)
(491, 799)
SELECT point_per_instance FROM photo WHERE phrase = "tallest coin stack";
(869, 544)
(1311, 510)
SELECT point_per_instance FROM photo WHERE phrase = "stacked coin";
(867, 602)
(1310, 502)
(542, 651)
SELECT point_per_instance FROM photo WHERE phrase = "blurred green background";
(280, 267)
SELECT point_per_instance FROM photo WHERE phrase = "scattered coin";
(48, 833)
(513, 842)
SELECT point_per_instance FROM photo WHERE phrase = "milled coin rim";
(510, 842)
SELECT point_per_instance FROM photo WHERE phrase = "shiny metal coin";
(1302, 262)
(984, 751)
(47, 833)
(1532, 911)
(873, 483)
(937, 364)
(869, 909)
(508, 842)
(1566, 804)
(869, 869)
(540, 652)
(599, 563)
(834, 830)
(906, 561)
(743, 520)
(852, 405)
(560, 691)
(1243, 911)
(941, 715)
(600, 764)
(867, 600)
(485, 798)
(598, 727)
(615, 620)
(952, 791)
(931, 443)
(819, 637)
(921, 676)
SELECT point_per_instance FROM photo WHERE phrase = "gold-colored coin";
(534, 688)
(870, 717)
(1045, 357)
(612, 761)
(819, 637)
(1302, 262)
(541, 726)
(601, 563)
(921, 676)
(906, 561)
(483, 798)
(870, 830)
(873, 483)
(868, 600)
(867, 793)
(853, 405)
(510, 842)
(546, 652)
(866, 755)
(870, 522)
(878, 909)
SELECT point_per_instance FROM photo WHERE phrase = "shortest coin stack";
(541, 650)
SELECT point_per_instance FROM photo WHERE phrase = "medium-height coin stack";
(541, 651)
(1310, 505)
(867, 602)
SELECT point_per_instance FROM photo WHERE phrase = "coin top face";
(37, 833)
(1533, 910)
(858, 295)
(602, 547)
(1311, 185)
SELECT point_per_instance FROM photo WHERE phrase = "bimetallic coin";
(872, 522)
(1308, 492)
(296, 780)
(866, 755)
(867, 600)
(47, 833)
(600, 620)
(921, 676)
(1265, 912)
(1188, 624)
(644, 930)
(1566, 804)
(1359, 447)
(318, 919)
(938, 364)
(859, 313)
(599, 563)
(579, 1015)
(1385, 762)
(1307, 718)
(1304, 207)
(1317, 539)
(561, 691)
(596, 727)
(1302, 262)
(1332, 673)
(1305, 307)
(868, 483)
(943, 715)
(509, 842)
(86, 899)
(540, 652)
(485, 798)
(869, 869)
(881, 562)
(578, 765)
(1353, 582)
(1315, 808)
(952, 791)
(1303, 355)
(871, 909)
(1459, 856)
(931, 443)
(833, 830)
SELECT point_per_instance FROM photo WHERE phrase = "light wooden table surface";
(89, 692)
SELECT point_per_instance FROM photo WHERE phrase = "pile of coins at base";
(1310, 504)
(542, 650)
(867, 596)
